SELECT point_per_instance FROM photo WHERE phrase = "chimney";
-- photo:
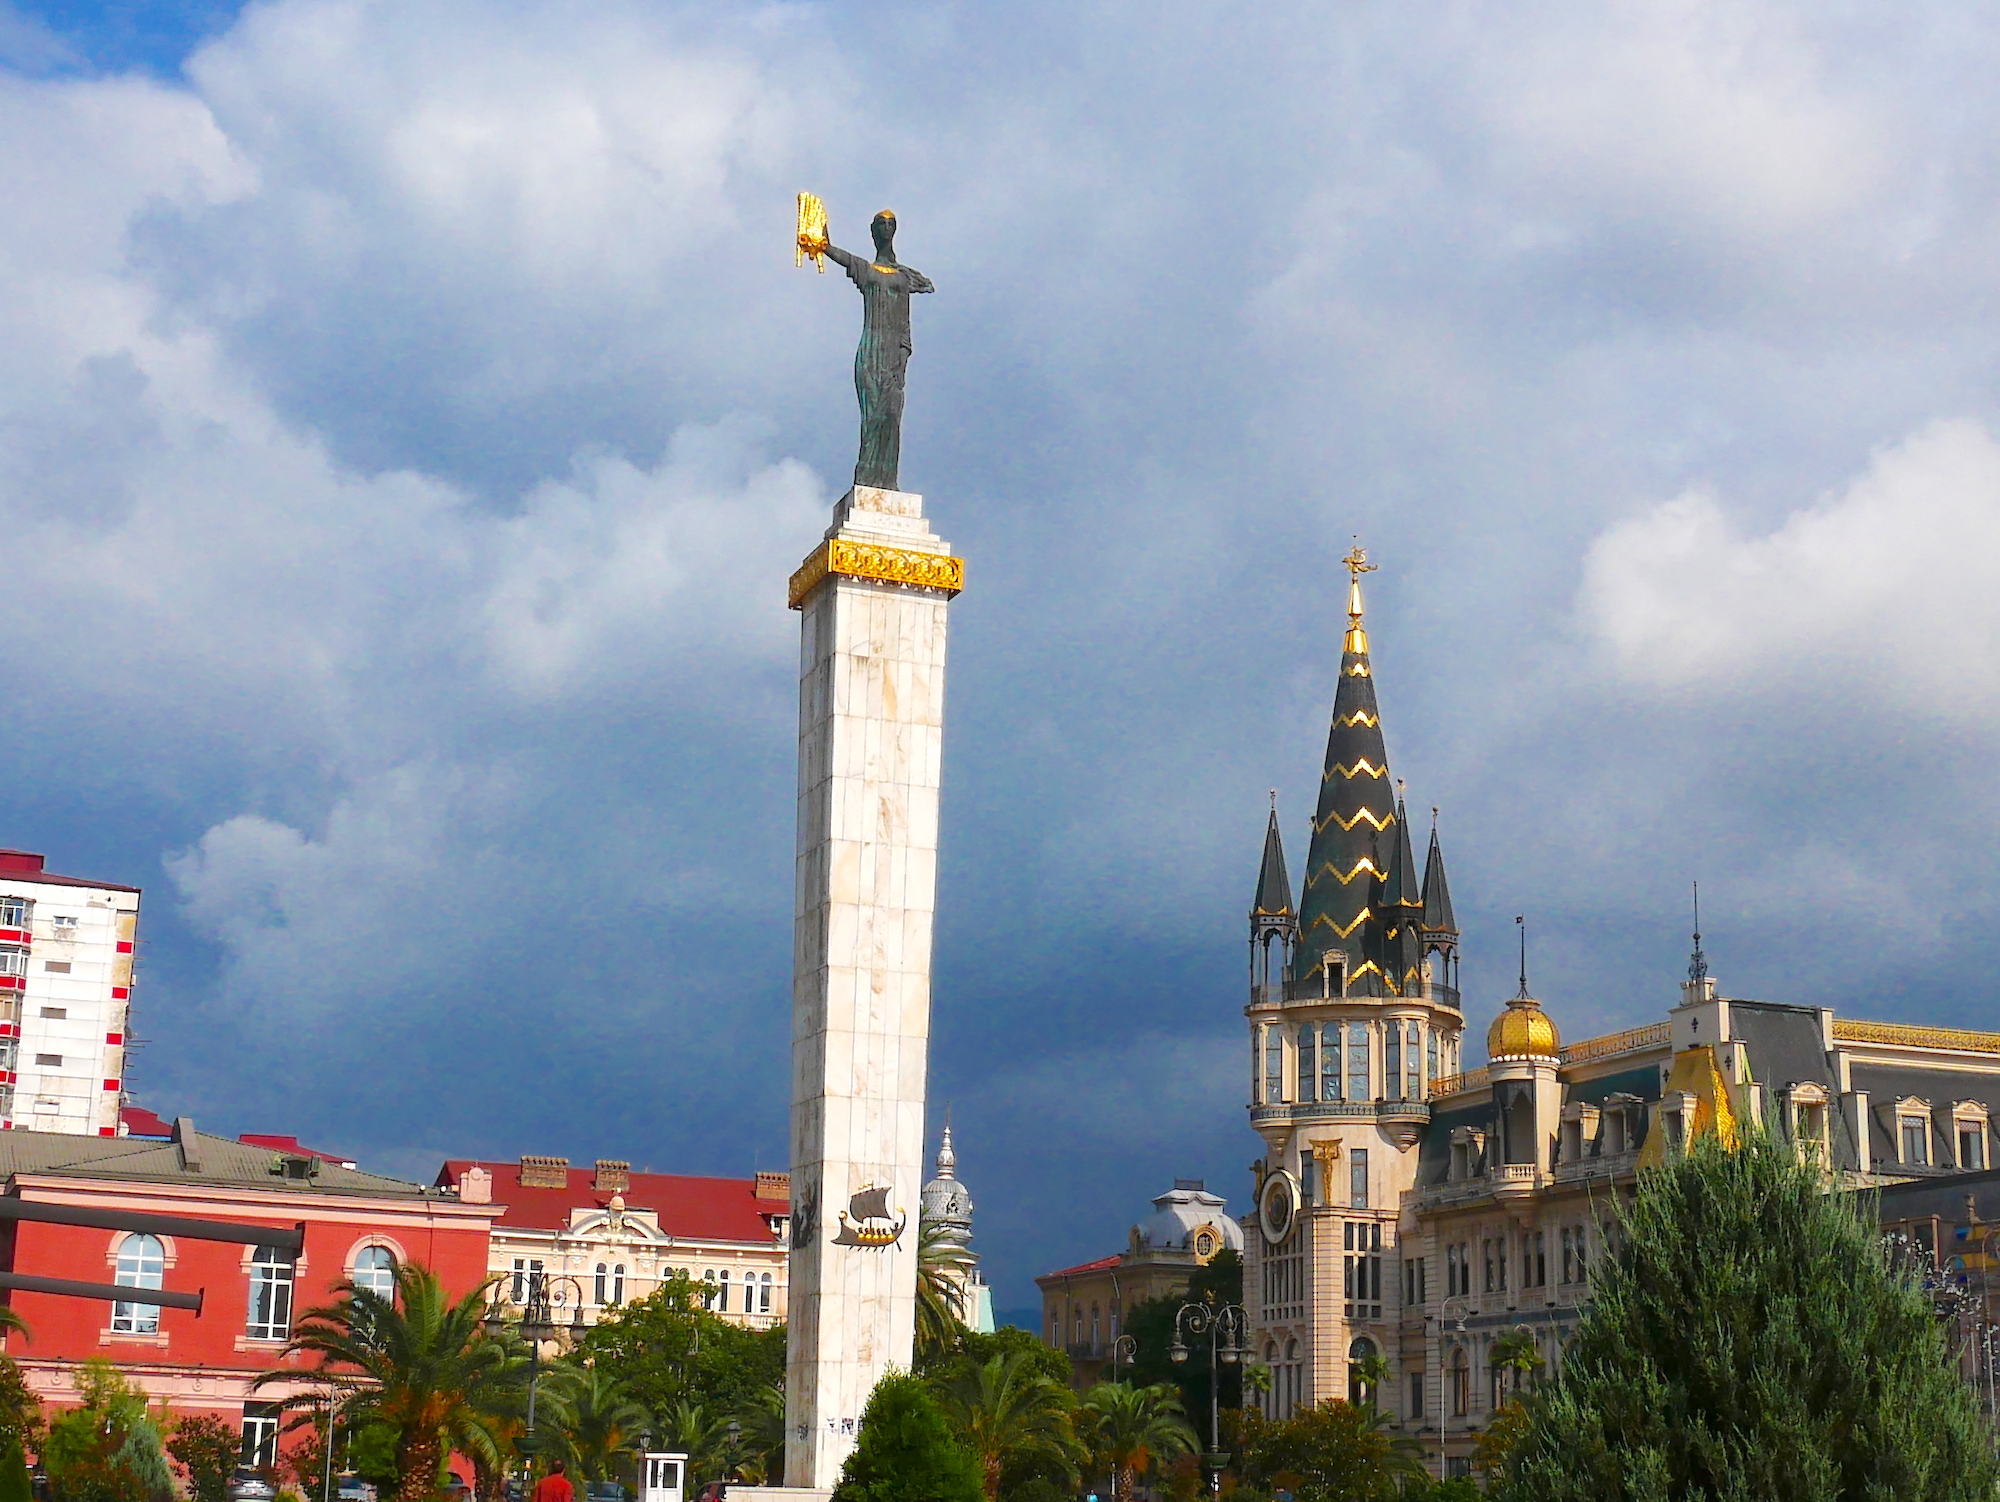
(544, 1173)
(475, 1186)
(774, 1186)
(613, 1176)
(190, 1144)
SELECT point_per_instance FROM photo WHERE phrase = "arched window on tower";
(1413, 1079)
(1329, 1062)
(1431, 1053)
(142, 1263)
(1358, 1391)
(1392, 1060)
(1274, 1065)
(1358, 1087)
(1308, 1063)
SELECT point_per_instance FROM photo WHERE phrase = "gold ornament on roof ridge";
(1900, 1035)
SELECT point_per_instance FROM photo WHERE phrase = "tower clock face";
(1278, 1207)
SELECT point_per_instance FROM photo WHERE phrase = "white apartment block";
(66, 950)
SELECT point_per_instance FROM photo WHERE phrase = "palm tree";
(598, 1422)
(942, 1266)
(1516, 1351)
(419, 1362)
(1007, 1410)
(763, 1419)
(703, 1438)
(1369, 1373)
(1130, 1429)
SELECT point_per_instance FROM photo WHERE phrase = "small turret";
(1440, 926)
(1272, 919)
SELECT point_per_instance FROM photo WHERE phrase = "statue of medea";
(884, 353)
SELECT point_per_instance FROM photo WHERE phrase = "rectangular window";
(1489, 1285)
(1413, 1079)
(1451, 1270)
(13, 960)
(1357, 1178)
(1569, 1257)
(1541, 1260)
(48, 1061)
(1308, 1063)
(270, 1295)
(56, 967)
(1357, 1062)
(1274, 1066)
(1431, 1054)
(1361, 1270)
(1971, 1148)
(1582, 1262)
(1916, 1140)
(63, 926)
(1329, 1062)
(1416, 1395)
(260, 1435)
(527, 1278)
(56, 1014)
(14, 912)
(1392, 1059)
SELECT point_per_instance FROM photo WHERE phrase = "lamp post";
(1227, 1328)
(548, 1296)
(1123, 1348)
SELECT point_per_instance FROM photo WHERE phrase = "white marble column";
(873, 598)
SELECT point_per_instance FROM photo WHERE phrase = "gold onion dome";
(1522, 1031)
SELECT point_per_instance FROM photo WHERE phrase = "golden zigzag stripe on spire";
(1379, 821)
(1359, 717)
(1329, 869)
(1354, 975)
(1339, 932)
(1359, 670)
(1362, 768)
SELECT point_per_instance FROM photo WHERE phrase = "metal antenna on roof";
(1521, 922)
(1697, 962)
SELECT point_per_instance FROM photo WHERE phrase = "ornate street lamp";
(549, 1296)
(1123, 1348)
(1227, 1328)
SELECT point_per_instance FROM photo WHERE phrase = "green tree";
(1337, 1451)
(15, 1483)
(668, 1349)
(1150, 1323)
(420, 1363)
(1128, 1430)
(1009, 1413)
(597, 1422)
(1370, 1371)
(206, 1449)
(1749, 1337)
(108, 1448)
(761, 1446)
(942, 1266)
(906, 1452)
(20, 1410)
(701, 1435)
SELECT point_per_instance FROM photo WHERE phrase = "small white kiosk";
(662, 1477)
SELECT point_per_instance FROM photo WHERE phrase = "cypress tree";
(905, 1452)
(1750, 1338)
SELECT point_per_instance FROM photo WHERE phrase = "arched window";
(764, 1300)
(603, 1289)
(270, 1295)
(1461, 1384)
(722, 1291)
(1308, 1063)
(1274, 1066)
(1358, 1087)
(375, 1270)
(708, 1292)
(1358, 1391)
(142, 1263)
(618, 1283)
(1329, 1062)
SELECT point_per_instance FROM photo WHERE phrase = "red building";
(356, 1225)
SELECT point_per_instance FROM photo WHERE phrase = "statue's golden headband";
(888, 214)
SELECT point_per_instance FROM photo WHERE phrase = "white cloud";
(1883, 593)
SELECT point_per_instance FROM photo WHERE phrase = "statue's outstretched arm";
(918, 281)
(844, 258)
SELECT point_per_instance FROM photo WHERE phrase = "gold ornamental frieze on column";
(869, 560)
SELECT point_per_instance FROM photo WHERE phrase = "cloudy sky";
(409, 415)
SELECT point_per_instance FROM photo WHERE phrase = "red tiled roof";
(25, 865)
(1084, 1267)
(697, 1208)
(279, 1144)
(139, 1122)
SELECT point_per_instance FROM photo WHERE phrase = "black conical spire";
(1438, 919)
(1274, 886)
(1354, 827)
(1402, 911)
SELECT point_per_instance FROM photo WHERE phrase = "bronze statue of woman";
(884, 353)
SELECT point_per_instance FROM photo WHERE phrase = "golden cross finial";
(1357, 561)
(1357, 565)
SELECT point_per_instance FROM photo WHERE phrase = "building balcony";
(1617, 1165)
(1387, 1111)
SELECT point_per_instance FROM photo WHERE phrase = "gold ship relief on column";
(867, 560)
(867, 1220)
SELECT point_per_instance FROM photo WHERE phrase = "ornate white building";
(1415, 1211)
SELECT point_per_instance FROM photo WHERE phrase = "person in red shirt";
(555, 1486)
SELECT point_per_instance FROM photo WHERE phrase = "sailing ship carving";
(868, 1221)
